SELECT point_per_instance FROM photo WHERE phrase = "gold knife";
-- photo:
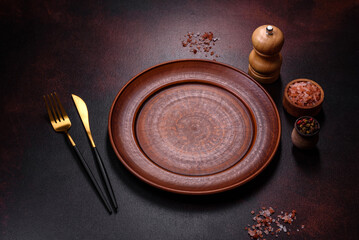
(83, 112)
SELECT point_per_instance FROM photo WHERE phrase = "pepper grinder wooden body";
(265, 59)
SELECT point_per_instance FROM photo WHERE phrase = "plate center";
(194, 129)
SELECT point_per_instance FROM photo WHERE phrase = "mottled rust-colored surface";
(92, 48)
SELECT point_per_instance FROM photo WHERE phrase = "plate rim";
(195, 192)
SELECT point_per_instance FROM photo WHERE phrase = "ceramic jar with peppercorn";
(305, 134)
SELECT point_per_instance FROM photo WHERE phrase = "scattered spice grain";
(197, 42)
(267, 226)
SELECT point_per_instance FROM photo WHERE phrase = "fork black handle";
(106, 178)
(95, 183)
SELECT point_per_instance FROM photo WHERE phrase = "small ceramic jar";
(294, 106)
(305, 134)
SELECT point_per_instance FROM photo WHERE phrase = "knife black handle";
(93, 179)
(106, 178)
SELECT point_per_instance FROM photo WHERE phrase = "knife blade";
(83, 112)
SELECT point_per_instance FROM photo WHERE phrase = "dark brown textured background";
(92, 48)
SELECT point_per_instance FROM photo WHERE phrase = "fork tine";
(49, 110)
(64, 114)
(53, 109)
(56, 107)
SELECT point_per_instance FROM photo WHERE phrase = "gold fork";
(60, 121)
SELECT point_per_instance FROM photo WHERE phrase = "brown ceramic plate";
(194, 127)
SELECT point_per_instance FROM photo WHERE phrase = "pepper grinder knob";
(269, 29)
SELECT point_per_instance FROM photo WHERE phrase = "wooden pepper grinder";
(265, 59)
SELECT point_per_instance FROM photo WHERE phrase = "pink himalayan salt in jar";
(304, 93)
